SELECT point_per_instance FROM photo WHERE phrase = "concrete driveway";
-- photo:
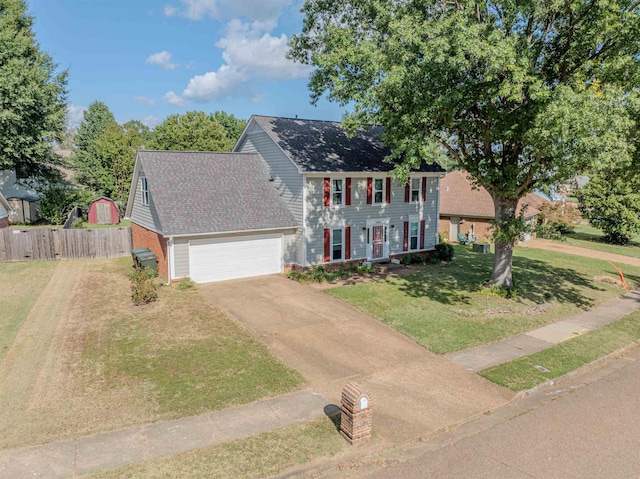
(414, 392)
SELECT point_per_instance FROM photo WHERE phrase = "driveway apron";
(414, 392)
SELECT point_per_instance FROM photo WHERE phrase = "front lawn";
(103, 364)
(262, 455)
(586, 236)
(443, 308)
(524, 373)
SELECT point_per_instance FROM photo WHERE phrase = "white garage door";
(235, 257)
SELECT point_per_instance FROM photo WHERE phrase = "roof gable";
(201, 192)
(459, 197)
(323, 146)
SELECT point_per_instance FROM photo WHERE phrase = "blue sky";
(146, 59)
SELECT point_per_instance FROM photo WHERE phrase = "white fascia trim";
(225, 233)
(133, 188)
(366, 174)
(245, 133)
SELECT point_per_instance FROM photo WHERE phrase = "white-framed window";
(337, 244)
(337, 192)
(144, 188)
(414, 235)
(415, 189)
(378, 190)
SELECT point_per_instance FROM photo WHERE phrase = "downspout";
(170, 265)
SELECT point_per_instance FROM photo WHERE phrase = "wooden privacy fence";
(42, 244)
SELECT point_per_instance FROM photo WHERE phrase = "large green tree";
(193, 131)
(32, 95)
(104, 151)
(519, 93)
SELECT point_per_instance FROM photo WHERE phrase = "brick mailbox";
(356, 417)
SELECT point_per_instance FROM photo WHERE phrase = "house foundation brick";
(4, 222)
(143, 238)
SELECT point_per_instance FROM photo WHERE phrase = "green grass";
(443, 307)
(567, 356)
(22, 284)
(258, 456)
(586, 236)
(190, 356)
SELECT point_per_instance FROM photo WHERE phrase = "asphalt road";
(585, 427)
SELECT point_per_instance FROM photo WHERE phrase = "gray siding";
(142, 215)
(288, 182)
(357, 214)
(181, 257)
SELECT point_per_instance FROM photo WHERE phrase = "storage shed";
(104, 211)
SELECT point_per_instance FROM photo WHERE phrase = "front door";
(377, 242)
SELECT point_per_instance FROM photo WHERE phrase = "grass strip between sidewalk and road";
(262, 455)
(521, 374)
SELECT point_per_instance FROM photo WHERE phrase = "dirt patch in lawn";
(87, 360)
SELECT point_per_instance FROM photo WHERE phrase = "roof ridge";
(197, 151)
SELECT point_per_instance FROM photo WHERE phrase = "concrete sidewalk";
(64, 459)
(482, 357)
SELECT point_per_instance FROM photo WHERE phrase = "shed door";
(220, 259)
(103, 213)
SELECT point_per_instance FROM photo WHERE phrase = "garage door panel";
(237, 257)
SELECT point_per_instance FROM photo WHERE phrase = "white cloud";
(143, 100)
(150, 121)
(172, 99)
(257, 98)
(163, 59)
(249, 53)
(260, 10)
(259, 54)
(75, 115)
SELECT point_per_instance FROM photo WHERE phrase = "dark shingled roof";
(200, 192)
(323, 146)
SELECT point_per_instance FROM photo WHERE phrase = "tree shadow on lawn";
(536, 281)
(581, 236)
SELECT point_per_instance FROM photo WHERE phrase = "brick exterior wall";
(480, 228)
(4, 222)
(144, 238)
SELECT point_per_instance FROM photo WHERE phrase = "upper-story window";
(337, 192)
(378, 190)
(144, 188)
(415, 189)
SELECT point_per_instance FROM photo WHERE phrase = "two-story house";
(342, 202)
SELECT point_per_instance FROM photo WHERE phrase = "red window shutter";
(407, 191)
(347, 191)
(405, 241)
(347, 242)
(421, 233)
(369, 191)
(327, 245)
(388, 191)
(327, 191)
(424, 188)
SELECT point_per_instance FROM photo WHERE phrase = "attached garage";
(235, 257)
(209, 216)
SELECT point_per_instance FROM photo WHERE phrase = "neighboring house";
(5, 211)
(23, 199)
(341, 193)
(469, 210)
(103, 211)
(295, 193)
(208, 216)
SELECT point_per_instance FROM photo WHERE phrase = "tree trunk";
(504, 242)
